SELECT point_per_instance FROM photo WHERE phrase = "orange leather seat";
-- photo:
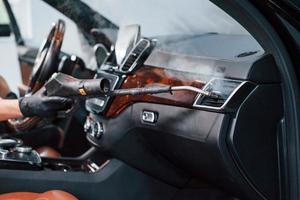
(48, 152)
(50, 195)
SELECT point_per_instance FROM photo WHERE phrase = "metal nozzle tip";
(214, 95)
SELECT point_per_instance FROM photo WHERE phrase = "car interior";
(190, 116)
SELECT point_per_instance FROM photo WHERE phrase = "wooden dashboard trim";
(148, 75)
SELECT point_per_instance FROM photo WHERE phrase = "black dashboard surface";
(185, 141)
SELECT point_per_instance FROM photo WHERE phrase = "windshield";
(168, 17)
(193, 27)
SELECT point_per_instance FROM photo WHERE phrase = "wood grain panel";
(146, 76)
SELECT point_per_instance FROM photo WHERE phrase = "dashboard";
(229, 141)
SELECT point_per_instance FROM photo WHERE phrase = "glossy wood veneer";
(146, 76)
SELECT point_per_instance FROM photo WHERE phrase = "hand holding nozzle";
(63, 85)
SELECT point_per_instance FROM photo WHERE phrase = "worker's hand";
(4, 88)
(43, 106)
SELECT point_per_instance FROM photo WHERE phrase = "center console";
(15, 155)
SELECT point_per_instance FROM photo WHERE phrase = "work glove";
(43, 106)
(11, 95)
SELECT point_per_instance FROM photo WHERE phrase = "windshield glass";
(168, 17)
(193, 27)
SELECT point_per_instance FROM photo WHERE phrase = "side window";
(35, 18)
(4, 21)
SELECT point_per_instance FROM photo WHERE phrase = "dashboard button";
(98, 130)
(87, 125)
(93, 128)
(149, 117)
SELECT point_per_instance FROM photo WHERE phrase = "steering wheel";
(45, 65)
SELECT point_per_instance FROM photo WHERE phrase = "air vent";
(223, 87)
(129, 62)
(212, 102)
(135, 56)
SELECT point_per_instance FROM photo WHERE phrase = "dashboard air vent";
(212, 102)
(223, 87)
(135, 56)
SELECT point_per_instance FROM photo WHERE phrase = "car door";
(25, 55)
(285, 17)
(8, 51)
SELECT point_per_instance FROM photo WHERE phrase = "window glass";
(4, 19)
(193, 27)
(168, 17)
(35, 19)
